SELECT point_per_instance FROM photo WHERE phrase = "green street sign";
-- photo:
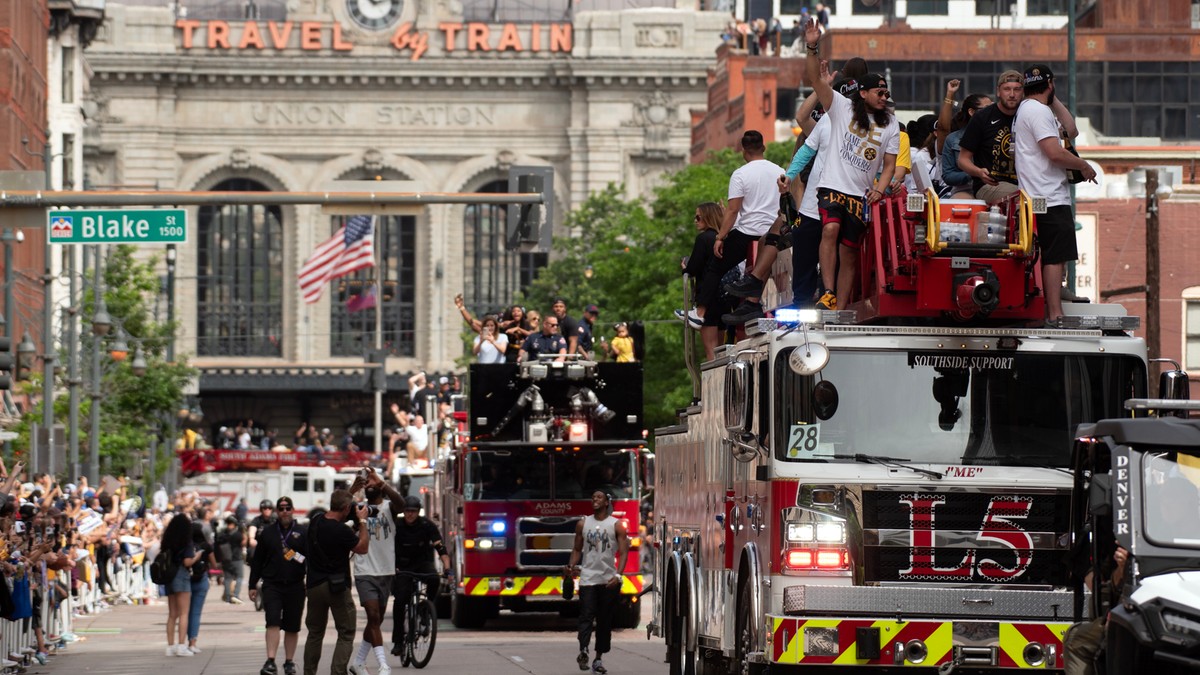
(118, 226)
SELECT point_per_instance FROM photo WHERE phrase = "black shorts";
(1056, 235)
(847, 211)
(284, 605)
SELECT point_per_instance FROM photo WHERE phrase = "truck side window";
(319, 485)
(300, 482)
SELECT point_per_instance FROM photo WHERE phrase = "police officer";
(279, 561)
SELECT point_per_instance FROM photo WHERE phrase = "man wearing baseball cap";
(584, 331)
(985, 151)
(1042, 165)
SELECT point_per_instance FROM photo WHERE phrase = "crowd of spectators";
(514, 335)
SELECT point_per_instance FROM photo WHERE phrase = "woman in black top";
(177, 541)
(708, 309)
(199, 578)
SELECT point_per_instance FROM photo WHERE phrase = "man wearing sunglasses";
(547, 341)
(279, 562)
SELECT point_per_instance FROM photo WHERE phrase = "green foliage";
(133, 409)
(634, 250)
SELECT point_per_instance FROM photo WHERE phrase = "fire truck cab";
(543, 436)
(891, 492)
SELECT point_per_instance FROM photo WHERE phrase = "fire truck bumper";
(922, 643)
(533, 585)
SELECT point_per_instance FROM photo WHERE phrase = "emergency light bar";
(787, 317)
(557, 370)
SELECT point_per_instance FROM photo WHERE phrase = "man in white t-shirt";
(1042, 164)
(374, 569)
(752, 208)
(864, 140)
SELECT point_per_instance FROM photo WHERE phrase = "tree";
(133, 408)
(634, 249)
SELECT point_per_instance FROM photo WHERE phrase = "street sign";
(118, 226)
(9, 435)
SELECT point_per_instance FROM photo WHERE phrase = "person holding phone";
(490, 344)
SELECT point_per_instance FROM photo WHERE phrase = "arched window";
(239, 277)
(493, 274)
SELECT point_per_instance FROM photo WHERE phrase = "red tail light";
(822, 559)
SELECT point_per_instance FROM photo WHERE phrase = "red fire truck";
(892, 491)
(543, 436)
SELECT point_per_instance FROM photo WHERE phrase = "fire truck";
(542, 436)
(888, 486)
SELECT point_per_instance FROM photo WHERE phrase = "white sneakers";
(358, 669)
(179, 650)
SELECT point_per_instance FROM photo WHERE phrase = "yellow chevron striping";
(791, 649)
(548, 586)
(939, 643)
(1012, 643)
(480, 588)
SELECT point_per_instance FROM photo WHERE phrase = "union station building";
(254, 95)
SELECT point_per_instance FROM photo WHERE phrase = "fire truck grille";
(544, 543)
(965, 537)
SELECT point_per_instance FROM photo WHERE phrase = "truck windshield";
(525, 473)
(1172, 497)
(974, 408)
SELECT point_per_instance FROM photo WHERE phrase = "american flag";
(351, 248)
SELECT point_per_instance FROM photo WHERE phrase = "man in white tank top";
(600, 539)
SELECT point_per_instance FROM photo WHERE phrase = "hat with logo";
(592, 309)
(871, 81)
(1037, 74)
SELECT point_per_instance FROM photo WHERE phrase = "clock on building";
(374, 14)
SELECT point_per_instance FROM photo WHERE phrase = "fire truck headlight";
(800, 532)
(831, 533)
(491, 543)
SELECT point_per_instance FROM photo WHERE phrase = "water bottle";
(997, 231)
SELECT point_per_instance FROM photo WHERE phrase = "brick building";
(24, 32)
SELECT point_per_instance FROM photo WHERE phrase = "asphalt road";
(132, 639)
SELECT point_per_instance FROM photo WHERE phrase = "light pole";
(101, 324)
(8, 238)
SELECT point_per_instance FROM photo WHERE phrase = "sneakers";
(582, 660)
(747, 311)
(171, 649)
(194, 649)
(397, 649)
(289, 668)
(384, 669)
(828, 301)
(598, 667)
(747, 287)
(691, 318)
(269, 668)
(1069, 296)
(358, 669)
(41, 658)
(182, 650)
(236, 601)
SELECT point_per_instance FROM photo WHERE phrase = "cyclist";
(373, 570)
(416, 540)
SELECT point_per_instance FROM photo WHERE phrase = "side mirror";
(737, 397)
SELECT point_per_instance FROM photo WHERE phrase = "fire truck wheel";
(467, 612)
(628, 613)
(679, 660)
(744, 636)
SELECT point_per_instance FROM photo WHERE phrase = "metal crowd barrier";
(128, 583)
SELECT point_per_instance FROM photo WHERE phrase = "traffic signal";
(6, 363)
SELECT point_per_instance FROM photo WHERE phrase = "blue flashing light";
(793, 315)
(499, 526)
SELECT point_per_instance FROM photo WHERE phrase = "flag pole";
(381, 381)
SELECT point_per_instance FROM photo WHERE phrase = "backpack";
(163, 569)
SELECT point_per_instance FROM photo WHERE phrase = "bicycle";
(420, 624)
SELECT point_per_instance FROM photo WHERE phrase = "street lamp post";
(8, 238)
(101, 323)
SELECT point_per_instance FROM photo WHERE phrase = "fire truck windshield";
(526, 473)
(973, 408)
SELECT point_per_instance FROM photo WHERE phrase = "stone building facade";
(303, 95)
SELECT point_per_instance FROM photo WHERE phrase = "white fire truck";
(892, 494)
(308, 486)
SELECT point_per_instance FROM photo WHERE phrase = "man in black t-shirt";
(266, 516)
(278, 561)
(416, 540)
(330, 543)
(568, 328)
(986, 150)
(421, 391)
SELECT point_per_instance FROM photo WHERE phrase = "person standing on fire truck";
(600, 540)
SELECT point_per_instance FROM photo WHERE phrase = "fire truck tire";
(744, 638)
(628, 613)
(467, 612)
(679, 660)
